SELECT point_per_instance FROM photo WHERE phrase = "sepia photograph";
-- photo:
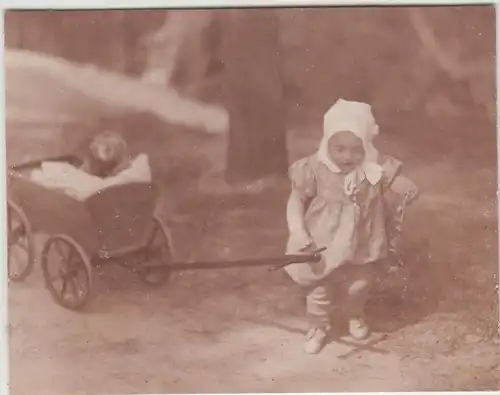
(251, 200)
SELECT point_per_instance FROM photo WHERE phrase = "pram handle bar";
(275, 263)
(71, 159)
(314, 256)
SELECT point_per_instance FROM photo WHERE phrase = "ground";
(240, 330)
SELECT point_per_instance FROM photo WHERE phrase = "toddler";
(337, 202)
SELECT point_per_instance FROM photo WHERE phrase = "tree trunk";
(194, 57)
(254, 96)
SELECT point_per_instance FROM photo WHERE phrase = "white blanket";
(81, 185)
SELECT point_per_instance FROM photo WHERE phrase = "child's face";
(346, 151)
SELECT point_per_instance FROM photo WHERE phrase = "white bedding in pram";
(80, 185)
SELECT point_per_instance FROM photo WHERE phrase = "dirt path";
(135, 342)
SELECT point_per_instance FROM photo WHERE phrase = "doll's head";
(108, 149)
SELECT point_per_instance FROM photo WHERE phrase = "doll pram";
(116, 223)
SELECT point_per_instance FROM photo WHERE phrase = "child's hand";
(301, 240)
(403, 186)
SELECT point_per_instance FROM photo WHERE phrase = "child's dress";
(352, 228)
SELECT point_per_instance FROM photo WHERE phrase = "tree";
(253, 95)
(475, 74)
(176, 50)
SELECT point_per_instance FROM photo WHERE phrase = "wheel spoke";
(24, 246)
(74, 290)
(64, 285)
(20, 246)
(58, 249)
(58, 276)
(71, 267)
(15, 234)
(71, 274)
(9, 220)
(70, 258)
(62, 256)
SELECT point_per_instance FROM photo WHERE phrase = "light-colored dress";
(352, 228)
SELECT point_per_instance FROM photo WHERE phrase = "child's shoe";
(358, 328)
(315, 340)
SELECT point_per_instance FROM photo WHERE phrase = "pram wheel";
(67, 271)
(159, 252)
(21, 257)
